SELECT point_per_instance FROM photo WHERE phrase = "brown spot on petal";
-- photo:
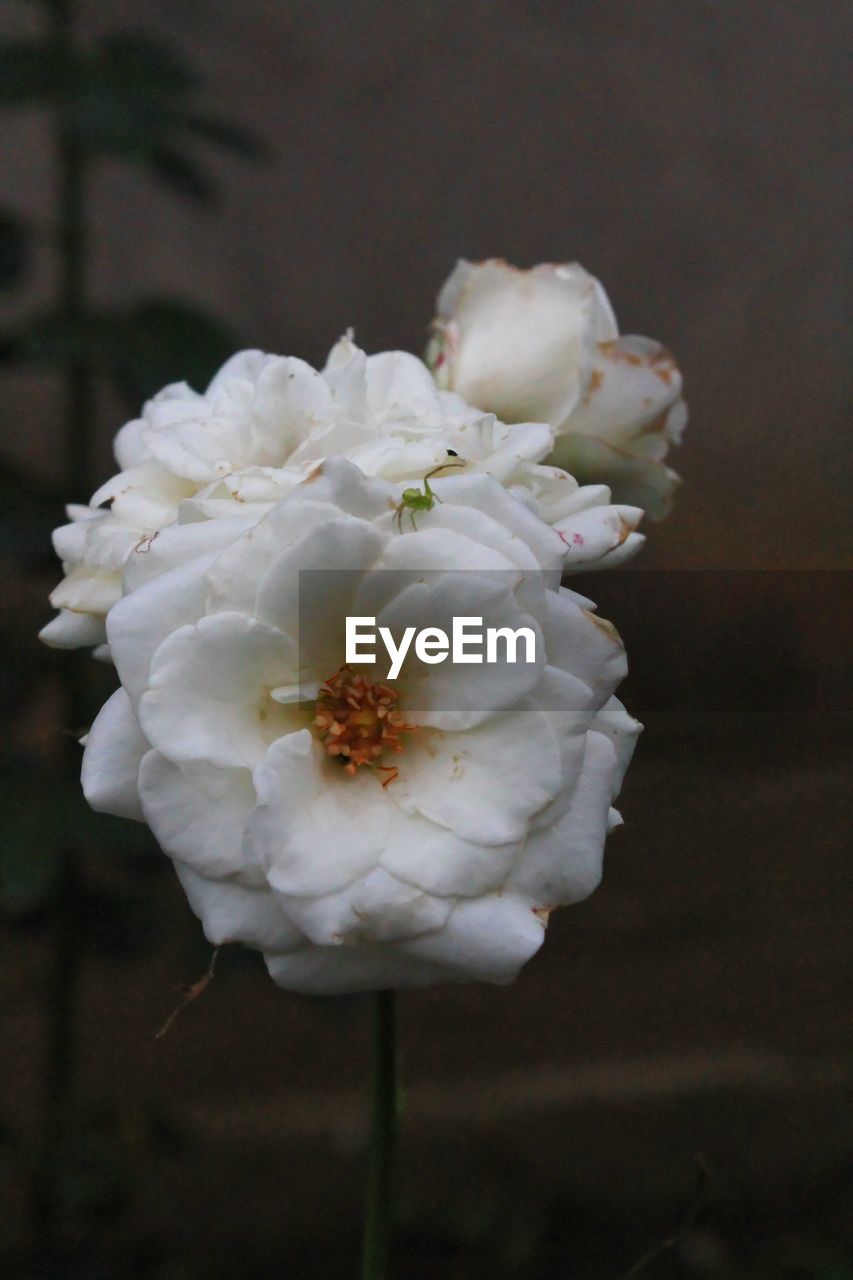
(625, 529)
(663, 365)
(658, 423)
(595, 380)
(144, 543)
(605, 626)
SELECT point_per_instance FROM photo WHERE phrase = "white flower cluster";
(366, 834)
(262, 425)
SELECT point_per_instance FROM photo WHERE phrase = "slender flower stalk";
(379, 1210)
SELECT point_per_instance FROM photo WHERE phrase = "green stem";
(379, 1211)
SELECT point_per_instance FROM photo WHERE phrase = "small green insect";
(413, 500)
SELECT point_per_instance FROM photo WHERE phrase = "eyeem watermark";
(468, 642)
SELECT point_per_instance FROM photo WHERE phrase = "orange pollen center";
(358, 721)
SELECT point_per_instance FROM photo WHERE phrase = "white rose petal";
(110, 774)
(198, 813)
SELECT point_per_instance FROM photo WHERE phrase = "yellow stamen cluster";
(358, 721)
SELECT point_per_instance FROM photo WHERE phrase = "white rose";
(544, 344)
(364, 837)
(263, 423)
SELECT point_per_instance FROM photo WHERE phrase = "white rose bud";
(361, 833)
(544, 345)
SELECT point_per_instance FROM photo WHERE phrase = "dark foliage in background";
(77, 876)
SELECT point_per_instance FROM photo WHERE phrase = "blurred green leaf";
(43, 811)
(163, 341)
(14, 249)
(137, 60)
(130, 97)
(130, 100)
(113, 120)
(176, 170)
(106, 120)
(130, 64)
(51, 339)
(30, 845)
(29, 870)
(158, 341)
(228, 135)
(32, 72)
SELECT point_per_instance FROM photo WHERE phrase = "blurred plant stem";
(72, 248)
(66, 940)
(379, 1209)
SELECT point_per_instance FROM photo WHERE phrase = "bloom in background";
(364, 835)
(263, 424)
(544, 345)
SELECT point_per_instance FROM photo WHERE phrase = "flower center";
(358, 721)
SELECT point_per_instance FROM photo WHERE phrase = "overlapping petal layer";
(263, 425)
(437, 862)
